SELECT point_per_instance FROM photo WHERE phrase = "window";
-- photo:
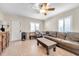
(65, 24)
(34, 26)
(61, 25)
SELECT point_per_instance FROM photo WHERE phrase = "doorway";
(16, 28)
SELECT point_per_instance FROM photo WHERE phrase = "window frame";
(35, 26)
(64, 24)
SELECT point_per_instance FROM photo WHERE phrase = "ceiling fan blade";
(50, 9)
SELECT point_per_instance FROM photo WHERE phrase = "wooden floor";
(30, 48)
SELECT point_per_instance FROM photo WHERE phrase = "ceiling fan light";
(42, 11)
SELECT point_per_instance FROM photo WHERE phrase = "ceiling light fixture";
(44, 8)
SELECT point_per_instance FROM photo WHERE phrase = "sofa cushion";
(73, 49)
(61, 35)
(47, 32)
(53, 34)
(53, 38)
(70, 44)
(38, 34)
(73, 36)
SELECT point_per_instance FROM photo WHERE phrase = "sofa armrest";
(72, 44)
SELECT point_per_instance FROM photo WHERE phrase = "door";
(16, 35)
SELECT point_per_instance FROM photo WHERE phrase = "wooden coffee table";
(48, 44)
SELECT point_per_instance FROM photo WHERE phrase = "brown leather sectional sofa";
(68, 41)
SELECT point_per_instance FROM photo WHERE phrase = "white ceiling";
(27, 9)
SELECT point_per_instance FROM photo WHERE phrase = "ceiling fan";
(44, 8)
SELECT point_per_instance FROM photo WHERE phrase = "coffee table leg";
(47, 51)
(30, 37)
(37, 43)
(54, 49)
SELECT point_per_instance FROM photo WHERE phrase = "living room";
(21, 21)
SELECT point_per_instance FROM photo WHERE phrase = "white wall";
(24, 21)
(25, 24)
(51, 24)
